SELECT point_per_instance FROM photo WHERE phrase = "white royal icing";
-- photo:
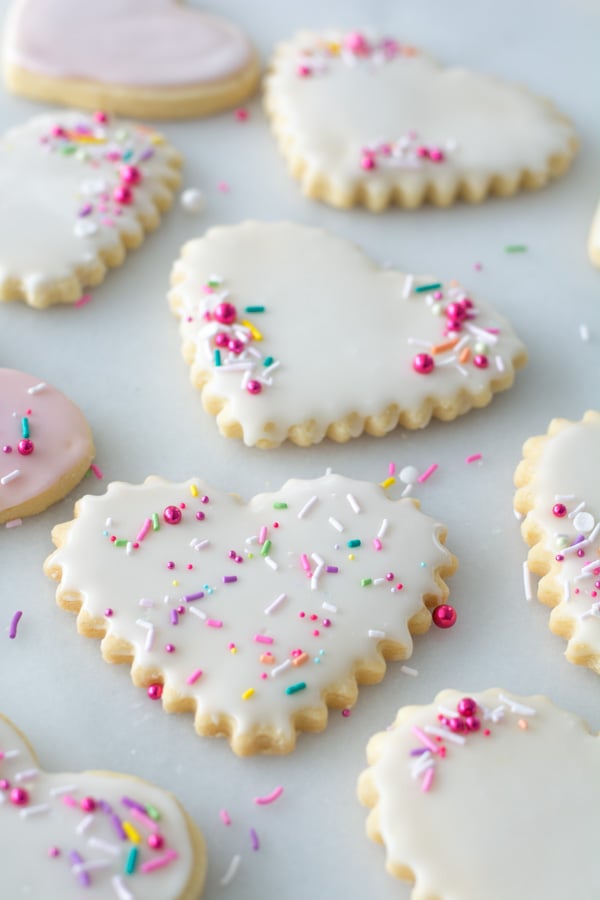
(566, 474)
(512, 814)
(337, 337)
(594, 238)
(55, 849)
(300, 586)
(333, 108)
(58, 175)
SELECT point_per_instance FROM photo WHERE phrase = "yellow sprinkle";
(233, 649)
(193, 490)
(251, 556)
(247, 694)
(388, 482)
(252, 329)
(156, 138)
(175, 583)
(334, 48)
(351, 556)
(131, 832)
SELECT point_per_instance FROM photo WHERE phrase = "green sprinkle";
(254, 309)
(264, 550)
(25, 427)
(214, 282)
(153, 813)
(121, 543)
(515, 248)
(268, 361)
(217, 358)
(294, 688)
(131, 861)
(365, 582)
(69, 150)
(155, 522)
(355, 542)
(422, 288)
(279, 505)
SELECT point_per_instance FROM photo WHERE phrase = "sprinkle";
(353, 503)
(515, 248)
(25, 427)
(254, 839)
(307, 506)
(273, 606)
(229, 579)
(522, 723)
(427, 742)
(116, 824)
(12, 633)
(264, 550)
(85, 298)
(473, 458)
(355, 542)
(269, 798)
(271, 563)
(263, 639)
(517, 707)
(281, 668)
(10, 477)
(304, 562)
(189, 598)
(252, 329)
(145, 820)
(36, 388)
(527, 582)
(193, 678)
(76, 861)
(382, 528)
(224, 816)
(231, 871)
(335, 524)
(388, 482)
(441, 348)
(329, 606)
(113, 849)
(280, 505)
(60, 789)
(584, 332)
(445, 733)
(34, 810)
(144, 530)
(423, 288)
(295, 688)
(408, 286)
(300, 660)
(254, 309)
(406, 670)
(155, 522)
(131, 861)
(427, 473)
(120, 890)
(217, 358)
(214, 623)
(332, 570)
(375, 633)
(427, 778)
(26, 775)
(159, 862)
(197, 612)
(14, 523)
(365, 582)
(97, 472)
(247, 694)
(131, 832)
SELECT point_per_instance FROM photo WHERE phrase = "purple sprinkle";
(333, 570)
(147, 154)
(76, 860)
(229, 579)
(189, 597)
(116, 823)
(418, 752)
(86, 209)
(133, 804)
(174, 617)
(13, 625)
(254, 839)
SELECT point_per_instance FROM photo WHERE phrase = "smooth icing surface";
(153, 43)
(55, 849)
(337, 107)
(567, 474)
(59, 432)
(594, 239)
(513, 814)
(256, 597)
(341, 332)
(58, 175)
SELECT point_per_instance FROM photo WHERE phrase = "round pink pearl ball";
(444, 616)
(467, 706)
(473, 723)
(130, 174)
(172, 515)
(123, 194)
(155, 841)
(367, 163)
(225, 313)
(19, 796)
(481, 361)
(221, 339)
(155, 691)
(25, 447)
(88, 804)
(423, 363)
(559, 510)
(254, 387)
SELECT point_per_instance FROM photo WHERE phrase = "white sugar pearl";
(409, 475)
(85, 228)
(192, 200)
(583, 522)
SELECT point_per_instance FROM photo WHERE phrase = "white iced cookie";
(374, 121)
(91, 834)
(594, 239)
(156, 59)
(293, 333)
(559, 495)
(255, 617)
(465, 793)
(77, 191)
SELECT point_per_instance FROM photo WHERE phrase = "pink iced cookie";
(155, 59)
(45, 445)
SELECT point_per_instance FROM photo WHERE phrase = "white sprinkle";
(591, 565)
(375, 633)
(407, 490)
(307, 506)
(566, 592)
(62, 789)
(246, 376)
(197, 612)
(85, 823)
(496, 715)
(34, 810)
(379, 580)
(584, 522)
(527, 582)
(518, 516)
(104, 845)
(462, 370)
(277, 602)
(353, 503)
(318, 559)
(415, 342)
(271, 563)
(144, 623)
(567, 551)
(268, 369)
(577, 509)
(517, 707)
(564, 497)
(335, 524)
(90, 865)
(449, 713)
(443, 733)
(148, 604)
(406, 670)
(383, 528)
(26, 775)
(149, 639)
(120, 890)
(499, 363)
(486, 336)
(200, 544)
(314, 580)
(109, 522)
(129, 548)
(584, 332)
(329, 606)
(594, 610)
(408, 286)
(36, 388)
(450, 360)
(594, 533)
(14, 523)
(10, 477)
(231, 871)
(85, 228)
(421, 763)
(281, 668)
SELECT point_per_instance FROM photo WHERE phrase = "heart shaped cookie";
(76, 192)
(255, 617)
(92, 834)
(45, 445)
(294, 333)
(559, 495)
(158, 59)
(374, 121)
(456, 786)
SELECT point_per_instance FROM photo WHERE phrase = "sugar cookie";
(45, 445)
(157, 60)
(77, 192)
(559, 495)
(459, 790)
(594, 239)
(113, 835)
(375, 121)
(255, 617)
(293, 333)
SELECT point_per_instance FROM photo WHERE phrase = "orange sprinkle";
(523, 724)
(300, 660)
(465, 355)
(267, 658)
(447, 345)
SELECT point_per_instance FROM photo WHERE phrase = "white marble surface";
(119, 358)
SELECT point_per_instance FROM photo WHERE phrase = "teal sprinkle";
(127, 155)
(254, 309)
(423, 565)
(268, 361)
(422, 288)
(217, 358)
(321, 652)
(294, 688)
(105, 533)
(355, 542)
(131, 861)
(25, 427)
(317, 659)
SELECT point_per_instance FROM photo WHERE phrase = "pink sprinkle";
(223, 187)
(254, 839)
(13, 625)
(304, 562)
(477, 266)
(377, 543)
(427, 473)
(97, 472)
(391, 468)
(193, 678)
(159, 862)
(85, 298)
(427, 778)
(263, 639)
(69, 801)
(418, 732)
(262, 534)
(143, 818)
(242, 114)
(214, 623)
(224, 816)
(144, 530)
(269, 798)
(473, 458)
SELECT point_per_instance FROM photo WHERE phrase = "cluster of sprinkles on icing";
(455, 727)
(462, 342)
(95, 141)
(230, 339)
(577, 551)
(352, 49)
(406, 152)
